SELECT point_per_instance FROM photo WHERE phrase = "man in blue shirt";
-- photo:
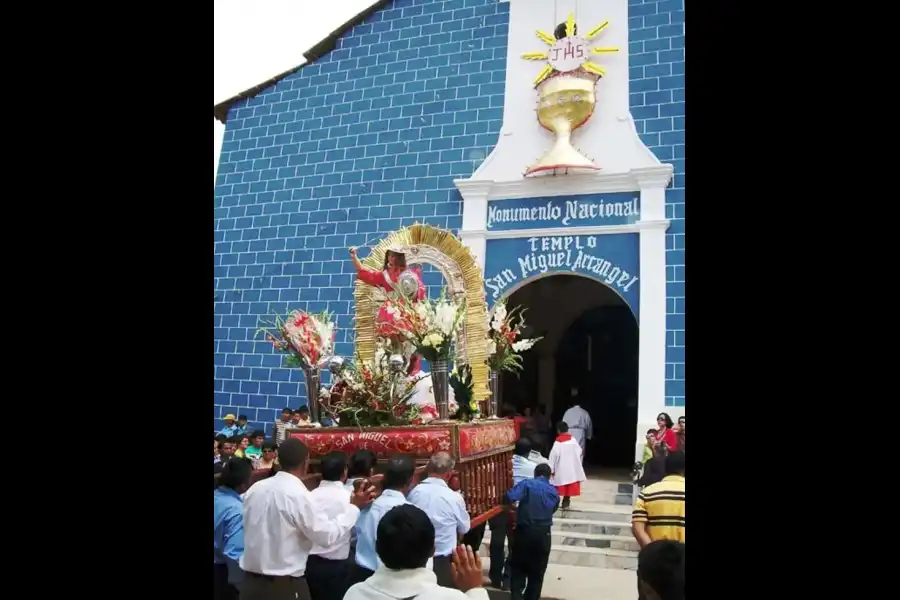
(397, 479)
(446, 509)
(243, 425)
(228, 527)
(530, 552)
(523, 468)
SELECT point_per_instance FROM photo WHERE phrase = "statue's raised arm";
(387, 278)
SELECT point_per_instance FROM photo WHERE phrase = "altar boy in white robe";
(565, 465)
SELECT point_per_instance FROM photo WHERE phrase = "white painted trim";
(566, 185)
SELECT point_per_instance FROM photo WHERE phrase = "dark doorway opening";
(590, 343)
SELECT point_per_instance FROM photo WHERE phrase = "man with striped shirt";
(659, 513)
(282, 425)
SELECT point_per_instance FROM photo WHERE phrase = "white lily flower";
(523, 345)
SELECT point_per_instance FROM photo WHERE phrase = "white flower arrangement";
(505, 344)
(431, 326)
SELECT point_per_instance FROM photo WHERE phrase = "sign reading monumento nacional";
(621, 208)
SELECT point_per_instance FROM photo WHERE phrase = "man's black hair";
(270, 445)
(292, 453)
(223, 442)
(542, 470)
(562, 427)
(649, 431)
(523, 447)
(236, 473)
(221, 437)
(361, 463)
(243, 418)
(661, 566)
(405, 538)
(286, 410)
(236, 439)
(258, 433)
(303, 409)
(334, 464)
(560, 31)
(675, 463)
(400, 471)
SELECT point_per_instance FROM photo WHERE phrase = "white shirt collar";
(402, 584)
(335, 484)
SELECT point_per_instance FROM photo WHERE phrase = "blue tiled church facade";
(368, 139)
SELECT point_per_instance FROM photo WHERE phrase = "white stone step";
(583, 556)
(567, 582)
(573, 539)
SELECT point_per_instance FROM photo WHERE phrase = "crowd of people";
(342, 540)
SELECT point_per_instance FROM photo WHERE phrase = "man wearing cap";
(230, 428)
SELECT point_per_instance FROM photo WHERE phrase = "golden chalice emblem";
(566, 98)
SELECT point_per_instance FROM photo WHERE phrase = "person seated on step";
(661, 571)
(655, 468)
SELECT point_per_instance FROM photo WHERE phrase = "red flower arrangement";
(306, 338)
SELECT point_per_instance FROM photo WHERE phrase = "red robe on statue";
(386, 280)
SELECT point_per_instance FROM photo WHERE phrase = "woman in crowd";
(679, 433)
(269, 456)
(665, 434)
(241, 442)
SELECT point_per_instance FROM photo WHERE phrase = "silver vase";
(496, 394)
(440, 382)
(312, 393)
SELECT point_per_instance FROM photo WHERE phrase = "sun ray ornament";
(565, 87)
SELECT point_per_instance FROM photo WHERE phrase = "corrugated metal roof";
(319, 50)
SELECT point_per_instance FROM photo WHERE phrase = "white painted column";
(474, 217)
(652, 353)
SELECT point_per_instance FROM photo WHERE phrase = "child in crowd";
(648, 445)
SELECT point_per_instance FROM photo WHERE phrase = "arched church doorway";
(590, 344)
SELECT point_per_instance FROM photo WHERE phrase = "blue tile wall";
(656, 47)
(364, 141)
(369, 139)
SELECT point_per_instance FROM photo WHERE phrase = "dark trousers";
(528, 562)
(498, 571)
(443, 571)
(222, 590)
(327, 579)
(358, 574)
(265, 587)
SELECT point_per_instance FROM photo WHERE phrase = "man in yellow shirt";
(659, 513)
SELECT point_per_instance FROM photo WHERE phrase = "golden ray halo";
(476, 317)
(587, 65)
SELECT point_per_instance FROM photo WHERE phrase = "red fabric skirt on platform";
(570, 489)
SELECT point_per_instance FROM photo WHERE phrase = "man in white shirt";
(579, 422)
(406, 540)
(281, 524)
(445, 508)
(327, 569)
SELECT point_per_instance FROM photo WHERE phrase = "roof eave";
(319, 50)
